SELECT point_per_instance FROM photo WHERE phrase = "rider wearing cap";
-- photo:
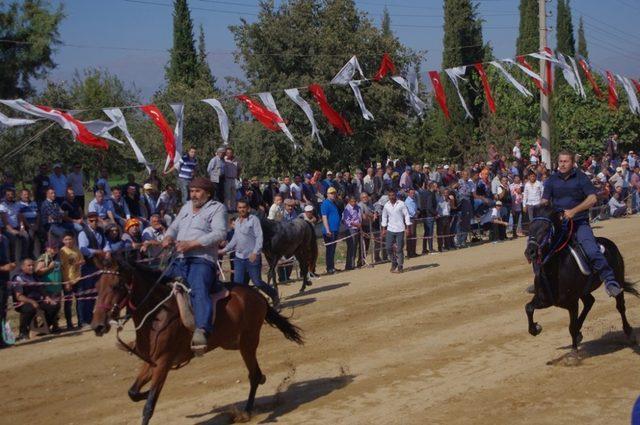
(196, 231)
(571, 190)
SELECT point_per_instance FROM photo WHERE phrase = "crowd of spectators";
(51, 233)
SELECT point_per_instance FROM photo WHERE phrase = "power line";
(605, 23)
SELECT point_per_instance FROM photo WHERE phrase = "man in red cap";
(196, 231)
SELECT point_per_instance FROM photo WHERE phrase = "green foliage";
(29, 34)
(307, 41)
(183, 67)
(204, 72)
(582, 41)
(386, 23)
(528, 34)
(565, 40)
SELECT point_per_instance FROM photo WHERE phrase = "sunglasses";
(93, 220)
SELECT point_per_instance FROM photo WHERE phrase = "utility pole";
(545, 109)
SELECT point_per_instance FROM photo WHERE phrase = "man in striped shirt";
(187, 168)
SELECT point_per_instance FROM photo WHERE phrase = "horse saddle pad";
(186, 311)
(581, 258)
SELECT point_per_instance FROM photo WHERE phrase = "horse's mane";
(547, 211)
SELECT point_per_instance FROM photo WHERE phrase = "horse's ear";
(124, 259)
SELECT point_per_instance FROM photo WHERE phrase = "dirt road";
(445, 342)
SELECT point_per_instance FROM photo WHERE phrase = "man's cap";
(426, 166)
(498, 203)
(202, 183)
(331, 190)
(221, 150)
(619, 170)
(307, 175)
(57, 165)
(358, 171)
(308, 208)
(130, 223)
(407, 168)
(446, 167)
(92, 214)
(329, 173)
(147, 186)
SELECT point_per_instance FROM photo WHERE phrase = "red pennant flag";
(487, 88)
(592, 81)
(334, 118)
(613, 96)
(549, 66)
(167, 133)
(440, 96)
(538, 84)
(386, 66)
(80, 132)
(635, 83)
(262, 114)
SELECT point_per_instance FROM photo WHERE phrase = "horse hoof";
(631, 339)
(263, 380)
(573, 358)
(536, 330)
(579, 338)
(301, 290)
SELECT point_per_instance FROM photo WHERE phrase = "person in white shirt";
(517, 154)
(532, 195)
(395, 222)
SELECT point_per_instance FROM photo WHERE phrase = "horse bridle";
(558, 245)
(114, 310)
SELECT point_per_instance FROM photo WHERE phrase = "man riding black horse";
(570, 190)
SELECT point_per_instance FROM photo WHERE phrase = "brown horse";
(163, 342)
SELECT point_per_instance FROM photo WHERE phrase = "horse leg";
(628, 330)
(534, 327)
(144, 376)
(248, 347)
(574, 330)
(587, 302)
(304, 270)
(158, 377)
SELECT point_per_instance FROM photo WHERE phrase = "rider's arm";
(589, 202)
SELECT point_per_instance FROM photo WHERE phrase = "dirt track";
(446, 342)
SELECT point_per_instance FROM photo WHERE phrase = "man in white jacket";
(532, 195)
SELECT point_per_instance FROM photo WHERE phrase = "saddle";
(183, 300)
(580, 257)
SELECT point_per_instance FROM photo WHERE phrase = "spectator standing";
(532, 196)
(186, 170)
(41, 184)
(406, 180)
(289, 210)
(29, 211)
(516, 152)
(634, 183)
(103, 183)
(285, 187)
(412, 209)
(14, 228)
(53, 218)
(75, 180)
(379, 248)
(465, 189)
(444, 220)
(6, 266)
(516, 209)
(330, 227)
(428, 204)
(368, 216)
(296, 190)
(58, 182)
(232, 170)
(612, 148)
(132, 198)
(352, 222)
(395, 222)
(368, 182)
(71, 261)
(215, 169)
(91, 242)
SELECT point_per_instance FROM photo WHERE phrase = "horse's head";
(114, 292)
(542, 230)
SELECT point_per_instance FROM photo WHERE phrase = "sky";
(131, 38)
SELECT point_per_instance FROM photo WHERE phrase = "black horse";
(559, 280)
(286, 239)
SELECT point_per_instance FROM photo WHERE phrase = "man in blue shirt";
(571, 190)
(186, 170)
(412, 208)
(58, 182)
(330, 227)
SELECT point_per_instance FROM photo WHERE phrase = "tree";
(386, 23)
(29, 35)
(204, 73)
(582, 41)
(183, 63)
(308, 41)
(528, 33)
(565, 40)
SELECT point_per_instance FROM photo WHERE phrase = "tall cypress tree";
(528, 35)
(204, 70)
(565, 41)
(582, 41)
(183, 63)
(386, 23)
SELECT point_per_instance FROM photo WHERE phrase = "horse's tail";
(288, 329)
(630, 288)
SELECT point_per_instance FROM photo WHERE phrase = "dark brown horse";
(286, 239)
(559, 280)
(163, 342)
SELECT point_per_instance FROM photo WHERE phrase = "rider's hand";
(166, 242)
(184, 246)
(569, 214)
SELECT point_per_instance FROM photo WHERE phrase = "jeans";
(352, 247)
(183, 185)
(201, 278)
(230, 193)
(412, 241)
(244, 266)
(18, 245)
(397, 256)
(597, 260)
(428, 233)
(516, 220)
(635, 200)
(85, 307)
(330, 254)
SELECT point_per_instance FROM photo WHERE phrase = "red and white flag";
(485, 85)
(169, 140)
(585, 67)
(386, 66)
(439, 92)
(613, 94)
(455, 74)
(527, 69)
(269, 119)
(335, 119)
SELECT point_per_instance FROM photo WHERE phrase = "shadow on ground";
(318, 288)
(281, 403)
(421, 267)
(608, 343)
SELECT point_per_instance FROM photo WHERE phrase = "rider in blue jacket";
(571, 190)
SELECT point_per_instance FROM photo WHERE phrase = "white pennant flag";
(634, 106)
(178, 110)
(270, 103)
(568, 73)
(574, 66)
(355, 86)
(116, 116)
(13, 122)
(21, 105)
(456, 74)
(545, 56)
(411, 88)
(294, 95)
(522, 89)
(223, 119)
(524, 69)
(347, 72)
(101, 129)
